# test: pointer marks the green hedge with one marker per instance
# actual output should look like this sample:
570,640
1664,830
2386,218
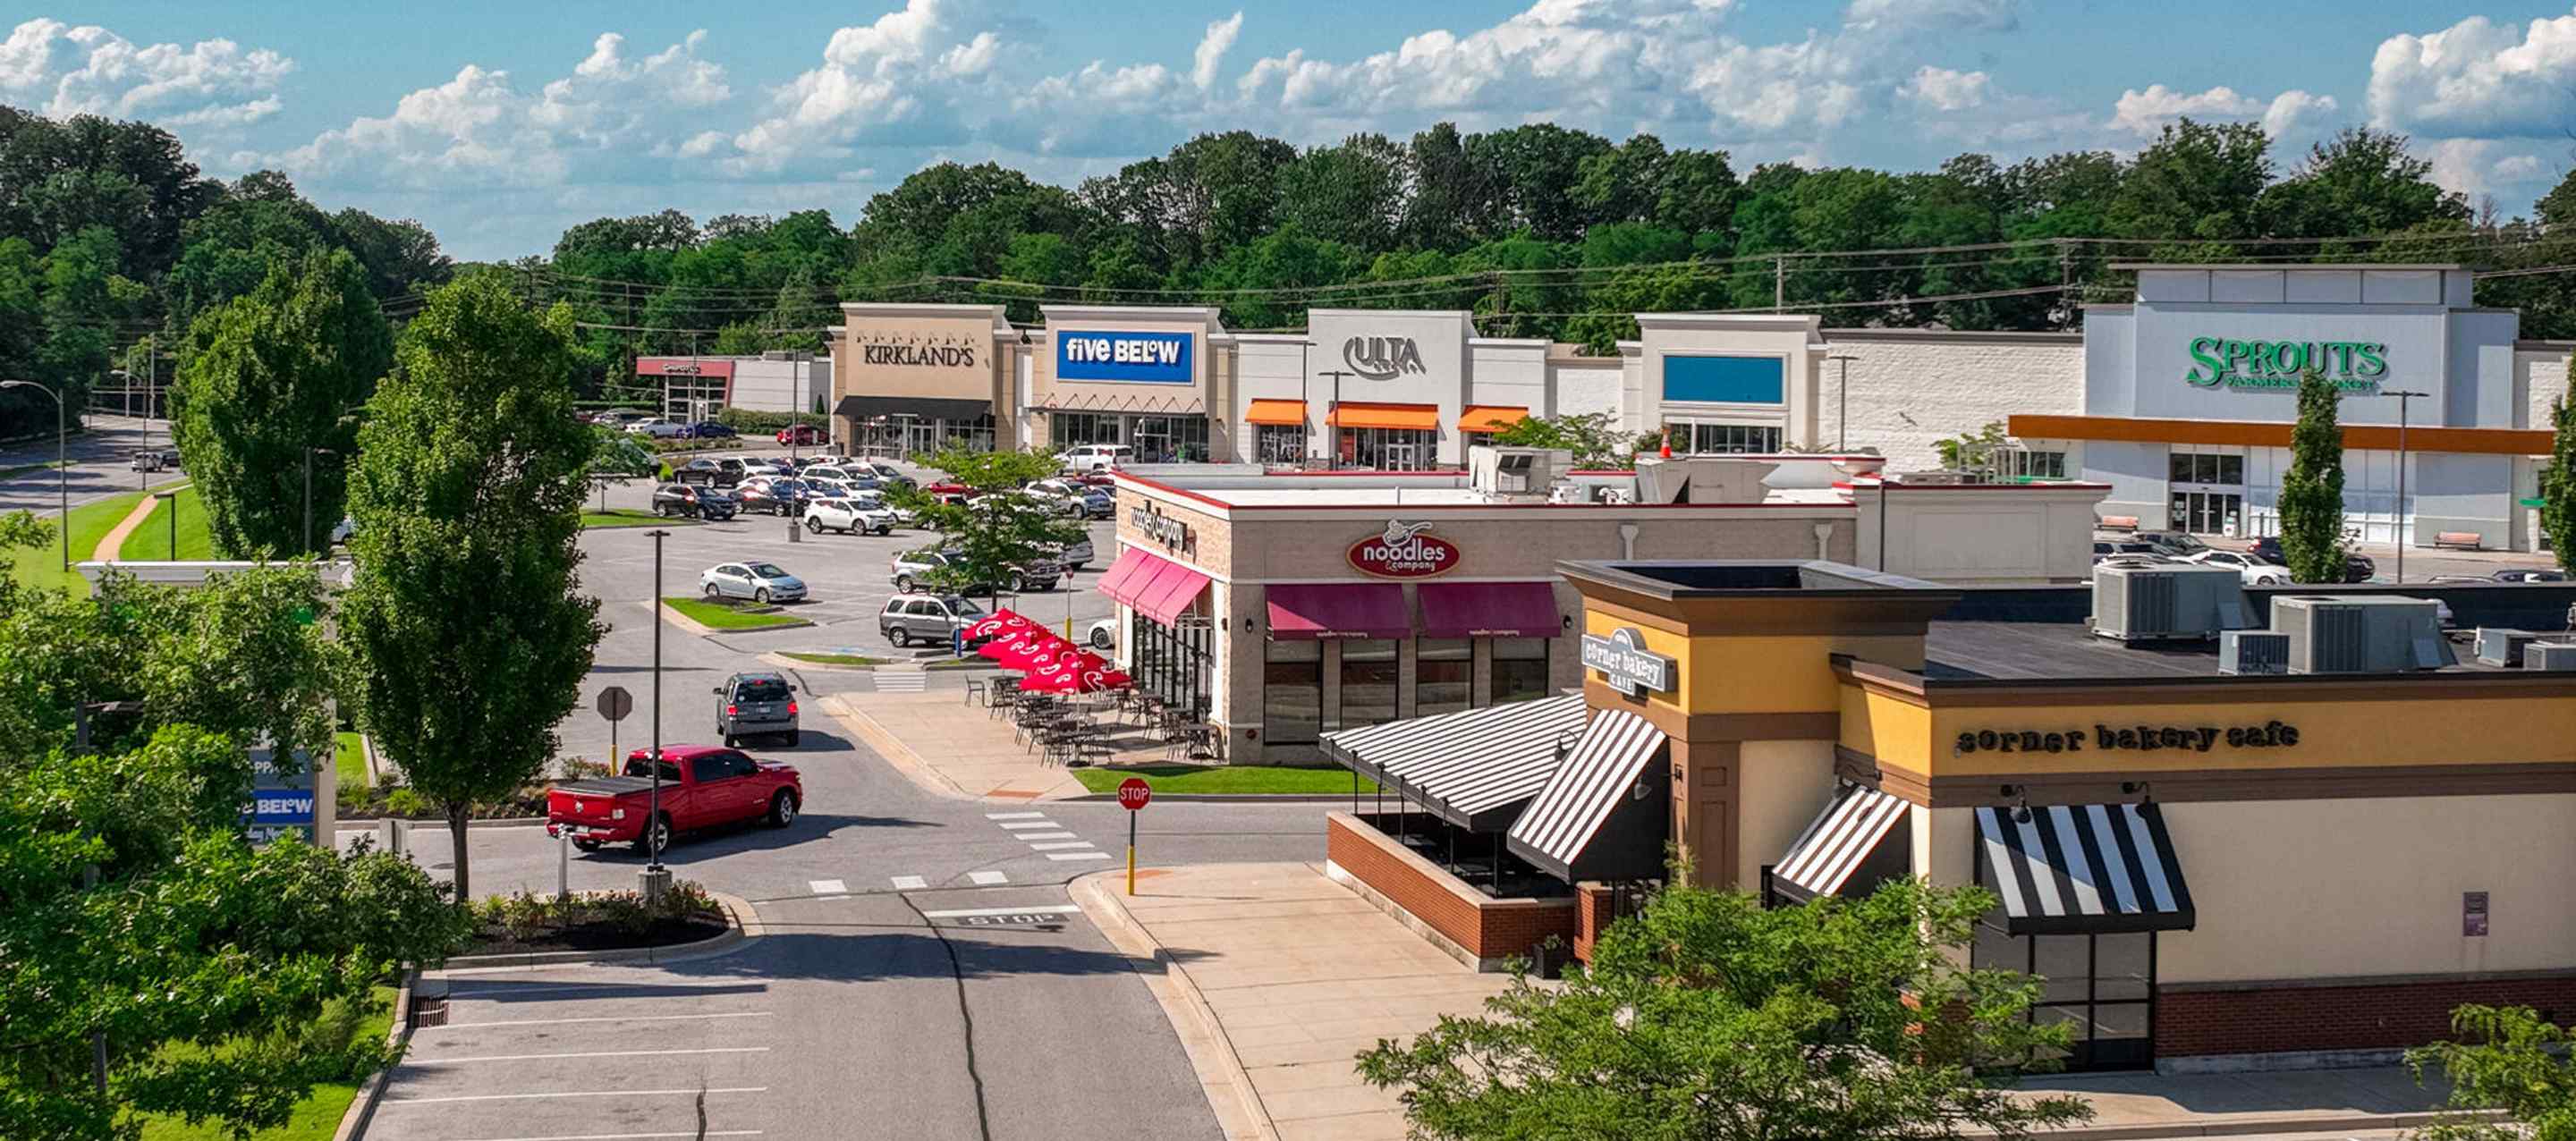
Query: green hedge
766,423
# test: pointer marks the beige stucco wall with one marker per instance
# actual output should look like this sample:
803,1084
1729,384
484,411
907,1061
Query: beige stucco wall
1781,786
1983,535
1526,542
989,378
1910,388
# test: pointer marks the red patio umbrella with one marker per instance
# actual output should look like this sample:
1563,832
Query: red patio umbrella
1072,677
1019,649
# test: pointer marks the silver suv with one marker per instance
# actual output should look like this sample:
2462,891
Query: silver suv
932,619
913,567
752,704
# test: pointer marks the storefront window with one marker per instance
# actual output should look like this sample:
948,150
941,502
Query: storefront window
1172,663
1390,449
2201,467
1519,670
1074,429
1722,439
2034,465
1292,692
1444,671
2102,986
1279,443
1169,439
1368,683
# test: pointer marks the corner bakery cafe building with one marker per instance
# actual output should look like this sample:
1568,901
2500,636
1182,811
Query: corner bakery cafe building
2202,869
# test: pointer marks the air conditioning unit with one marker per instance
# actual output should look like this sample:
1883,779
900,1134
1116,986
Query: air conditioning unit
2253,652
2550,657
2361,633
2176,601
2498,646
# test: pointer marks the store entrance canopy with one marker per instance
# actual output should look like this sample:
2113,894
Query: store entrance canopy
1490,417
1856,843
1602,815
1276,412
1156,587
1474,769
917,407
1415,417
1489,610
2083,869
1314,610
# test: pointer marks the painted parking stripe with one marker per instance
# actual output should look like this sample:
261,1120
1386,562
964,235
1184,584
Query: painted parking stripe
601,1018
1019,824
584,1054
1077,855
1036,909
1014,815
629,1136
1060,845
827,887
988,878
570,1093
909,883
514,992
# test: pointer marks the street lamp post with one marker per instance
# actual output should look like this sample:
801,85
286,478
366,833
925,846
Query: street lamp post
1842,399
2403,397
655,878
1333,444
62,463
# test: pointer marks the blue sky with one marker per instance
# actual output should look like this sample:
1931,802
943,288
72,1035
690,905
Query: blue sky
500,124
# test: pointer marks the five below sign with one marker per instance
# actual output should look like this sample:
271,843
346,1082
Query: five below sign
1403,550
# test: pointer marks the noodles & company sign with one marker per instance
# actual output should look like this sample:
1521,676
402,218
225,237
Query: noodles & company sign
1403,550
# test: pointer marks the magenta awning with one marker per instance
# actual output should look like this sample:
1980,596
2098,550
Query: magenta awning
1489,610
1131,570
1169,594
1306,611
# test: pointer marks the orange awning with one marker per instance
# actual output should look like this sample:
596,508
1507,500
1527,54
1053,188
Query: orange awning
1418,417
1276,412
1490,417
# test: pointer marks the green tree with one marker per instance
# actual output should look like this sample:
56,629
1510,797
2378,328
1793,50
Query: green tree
2312,490
1593,437
2558,484
2508,1060
1707,1016
466,618
1972,451
263,378
2363,181
2197,180
999,529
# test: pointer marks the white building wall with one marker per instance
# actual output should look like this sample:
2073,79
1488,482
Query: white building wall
1510,372
1269,367
1582,389
1910,389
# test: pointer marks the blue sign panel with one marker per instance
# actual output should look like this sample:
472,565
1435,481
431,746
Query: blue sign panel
1148,358
1724,380
281,806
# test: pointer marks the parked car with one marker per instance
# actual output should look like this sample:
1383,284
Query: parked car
620,417
884,471
2356,568
711,430
1096,457
915,567
703,786
2531,576
2180,544
800,434
934,619
1073,556
714,472
1102,634
684,500
2121,548
849,515
1098,503
1057,496
148,461
903,517
659,429
759,582
754,704
2253,570
776,495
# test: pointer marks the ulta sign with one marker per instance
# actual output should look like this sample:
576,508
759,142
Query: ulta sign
2353,366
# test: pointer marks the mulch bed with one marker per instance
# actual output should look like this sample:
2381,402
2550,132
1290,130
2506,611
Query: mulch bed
597,937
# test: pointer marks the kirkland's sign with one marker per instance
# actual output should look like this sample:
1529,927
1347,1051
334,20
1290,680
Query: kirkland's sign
2353,366
1151,358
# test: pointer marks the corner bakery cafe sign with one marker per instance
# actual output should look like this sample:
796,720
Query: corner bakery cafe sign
1626,663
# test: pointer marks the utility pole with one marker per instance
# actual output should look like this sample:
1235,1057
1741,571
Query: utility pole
1779,282
2404,397
656,879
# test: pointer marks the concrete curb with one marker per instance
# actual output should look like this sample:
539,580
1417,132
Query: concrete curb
885,744
1221,1074
370,823
2250,1126
703,630
742,925
780,659
362,1108
1226,797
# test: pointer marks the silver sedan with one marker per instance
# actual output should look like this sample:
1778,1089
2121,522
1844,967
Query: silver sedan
759,582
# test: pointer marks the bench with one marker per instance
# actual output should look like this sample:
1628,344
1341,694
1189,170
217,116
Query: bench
2119,522
2459,540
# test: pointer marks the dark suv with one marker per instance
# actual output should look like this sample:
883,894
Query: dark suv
2356,568
709,471
694,502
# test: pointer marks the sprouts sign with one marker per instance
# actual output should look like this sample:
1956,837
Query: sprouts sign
2217,362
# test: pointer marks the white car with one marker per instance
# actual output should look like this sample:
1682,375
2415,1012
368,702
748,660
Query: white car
1097,457
1101,635
2252,569
659,428
1060,496
759,582
850,515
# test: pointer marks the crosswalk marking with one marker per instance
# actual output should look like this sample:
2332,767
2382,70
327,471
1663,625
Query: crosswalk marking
1043,835
902,681
988,878
1014,815
1077,855
1015,825
1061,844
827,887
910,883
1033,909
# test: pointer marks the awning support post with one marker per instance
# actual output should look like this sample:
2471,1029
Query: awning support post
1498,863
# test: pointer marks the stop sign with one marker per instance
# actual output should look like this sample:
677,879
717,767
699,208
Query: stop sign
1133,792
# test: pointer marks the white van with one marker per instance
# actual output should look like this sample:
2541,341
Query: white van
1097,457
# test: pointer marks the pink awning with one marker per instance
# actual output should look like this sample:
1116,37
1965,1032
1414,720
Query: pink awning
1490,610
1123,577
1308,611
1169,595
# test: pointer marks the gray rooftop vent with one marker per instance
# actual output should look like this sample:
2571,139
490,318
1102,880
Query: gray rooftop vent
2252,652
2332,634
2550,657
2175,601
2501,647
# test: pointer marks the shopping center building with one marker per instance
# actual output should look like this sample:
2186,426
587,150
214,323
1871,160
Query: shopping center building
2207,868
695,388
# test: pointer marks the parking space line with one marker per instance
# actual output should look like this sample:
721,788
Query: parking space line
569,1093
1077,855
827,887
1060,845
988,878
1035,909
1043,835
630,1136
584,1054
603,1018
909,883
1014,815
515,992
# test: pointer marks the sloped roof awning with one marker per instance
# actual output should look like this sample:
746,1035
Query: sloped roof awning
1856,843
1316,610
1602,815
1133,569
917,407
1474,768
1489,610
1276,412
1490,417
1415,417
2083,869
1172,591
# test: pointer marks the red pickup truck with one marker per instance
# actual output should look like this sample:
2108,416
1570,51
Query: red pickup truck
702,786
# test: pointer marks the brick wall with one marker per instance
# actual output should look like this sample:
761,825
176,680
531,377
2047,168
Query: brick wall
1591,917
1488,929
2363,1017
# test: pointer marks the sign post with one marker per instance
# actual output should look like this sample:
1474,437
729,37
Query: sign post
1133,793
614,704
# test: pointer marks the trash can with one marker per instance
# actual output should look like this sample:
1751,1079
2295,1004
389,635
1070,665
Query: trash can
795,534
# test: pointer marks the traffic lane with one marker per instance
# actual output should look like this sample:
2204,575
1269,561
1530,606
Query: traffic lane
100,467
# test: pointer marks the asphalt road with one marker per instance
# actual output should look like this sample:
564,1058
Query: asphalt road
861,1022
100,465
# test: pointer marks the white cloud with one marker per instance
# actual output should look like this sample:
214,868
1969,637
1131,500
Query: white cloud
1212,49
2515,168
2152,110
2473,166
88,70
1943,15
2477,78
2295,114
1942,89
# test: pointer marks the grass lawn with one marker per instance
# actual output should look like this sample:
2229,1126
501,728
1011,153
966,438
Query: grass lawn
42,566
316,1118
834,659
1231,780
628,517
961,664
351,762
150,541
732,614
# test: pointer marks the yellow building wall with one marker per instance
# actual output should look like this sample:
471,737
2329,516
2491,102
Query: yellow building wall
1781,786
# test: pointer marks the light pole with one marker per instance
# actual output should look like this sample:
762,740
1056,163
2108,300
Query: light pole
1842,399
2403,396
1305,419
62,465
1333,446
655,878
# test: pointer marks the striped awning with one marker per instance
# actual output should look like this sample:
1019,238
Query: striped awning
1474,768
1841,840
1563,832
2074,869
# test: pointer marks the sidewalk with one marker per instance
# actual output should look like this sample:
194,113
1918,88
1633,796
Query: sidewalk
953,748
1275,977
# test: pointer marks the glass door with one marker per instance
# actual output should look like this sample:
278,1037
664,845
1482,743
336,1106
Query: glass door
2101,987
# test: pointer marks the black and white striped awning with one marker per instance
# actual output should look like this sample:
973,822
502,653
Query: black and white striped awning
1854,843
1474,768
2074,869
1563,831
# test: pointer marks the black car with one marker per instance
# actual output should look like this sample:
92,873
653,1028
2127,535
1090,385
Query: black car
2356,568
694,502
712,472
774,494
710,430
2531,576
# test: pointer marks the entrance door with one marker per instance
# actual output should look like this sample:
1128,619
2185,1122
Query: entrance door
2101,987
921,437
2209,512
1402,457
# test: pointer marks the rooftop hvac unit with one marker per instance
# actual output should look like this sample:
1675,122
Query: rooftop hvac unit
2242,652
2501,647
1512,473
2167,600
2550,657
2332,634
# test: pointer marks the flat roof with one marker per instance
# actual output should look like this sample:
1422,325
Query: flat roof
2295,267
2070,651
